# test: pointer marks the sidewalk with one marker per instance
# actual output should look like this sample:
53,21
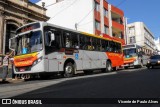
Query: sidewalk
9,77
11,81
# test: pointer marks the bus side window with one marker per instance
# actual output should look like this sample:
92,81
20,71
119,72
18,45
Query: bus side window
81,40
98,45
67,42
94,42
67,39
75,43
118,47
52,44
115,47
103,45
88,43
109,46
56,42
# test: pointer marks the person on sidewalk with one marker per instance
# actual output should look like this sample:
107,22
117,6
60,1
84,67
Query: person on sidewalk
12,62
5,64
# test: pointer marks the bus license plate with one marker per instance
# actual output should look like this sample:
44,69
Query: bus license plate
22,70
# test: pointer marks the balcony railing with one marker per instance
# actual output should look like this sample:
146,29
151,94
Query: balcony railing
117,10
117,25
97,15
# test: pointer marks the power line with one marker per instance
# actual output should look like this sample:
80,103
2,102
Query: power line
121,3
50,5
95,7
85,23
86,15
63,9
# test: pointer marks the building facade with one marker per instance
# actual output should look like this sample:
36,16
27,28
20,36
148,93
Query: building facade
157,43
138,33
15,13
92,16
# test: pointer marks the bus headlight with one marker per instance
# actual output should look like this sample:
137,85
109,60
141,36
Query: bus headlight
159,62
148,62
37,61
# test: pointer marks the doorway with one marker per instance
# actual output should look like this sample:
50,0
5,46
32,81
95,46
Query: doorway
10,32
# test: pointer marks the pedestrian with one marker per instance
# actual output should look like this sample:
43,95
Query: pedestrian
12,68
1,69
5,64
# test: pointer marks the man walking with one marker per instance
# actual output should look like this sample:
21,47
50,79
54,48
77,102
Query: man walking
5,64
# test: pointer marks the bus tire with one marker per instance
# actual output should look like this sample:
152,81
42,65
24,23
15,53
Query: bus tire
108,67
115,68
68,70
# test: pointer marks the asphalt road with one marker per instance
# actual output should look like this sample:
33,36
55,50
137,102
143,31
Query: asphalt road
133,83
143,83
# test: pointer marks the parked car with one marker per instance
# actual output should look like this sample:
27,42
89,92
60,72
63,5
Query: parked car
153,61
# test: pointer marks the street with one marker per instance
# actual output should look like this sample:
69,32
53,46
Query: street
130,83
142,83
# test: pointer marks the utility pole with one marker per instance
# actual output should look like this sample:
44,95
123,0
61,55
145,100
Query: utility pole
76,25
126,30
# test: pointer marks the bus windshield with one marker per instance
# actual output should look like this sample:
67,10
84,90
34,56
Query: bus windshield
29,42
130,52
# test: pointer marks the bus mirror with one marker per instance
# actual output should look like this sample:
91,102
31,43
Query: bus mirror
52,37
12,44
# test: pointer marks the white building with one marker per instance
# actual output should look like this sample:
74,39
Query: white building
92,16
157,44
138,33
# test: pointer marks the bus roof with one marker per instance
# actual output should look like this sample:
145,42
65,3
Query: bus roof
84,33
60,27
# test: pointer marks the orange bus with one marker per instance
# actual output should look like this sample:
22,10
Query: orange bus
134,56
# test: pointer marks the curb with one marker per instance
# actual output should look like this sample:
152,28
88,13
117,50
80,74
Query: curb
10,80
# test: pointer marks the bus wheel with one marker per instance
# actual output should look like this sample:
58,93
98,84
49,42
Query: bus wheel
115,68
108,67
68,70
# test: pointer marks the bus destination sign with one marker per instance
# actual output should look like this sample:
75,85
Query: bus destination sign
28,28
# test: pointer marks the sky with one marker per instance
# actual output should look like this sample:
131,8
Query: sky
147,11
